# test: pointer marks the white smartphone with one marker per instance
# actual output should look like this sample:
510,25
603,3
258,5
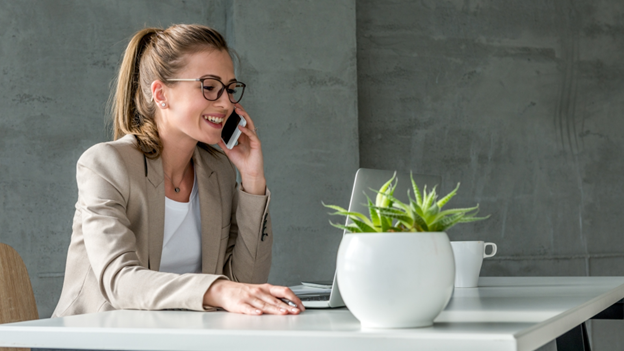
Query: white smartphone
230,131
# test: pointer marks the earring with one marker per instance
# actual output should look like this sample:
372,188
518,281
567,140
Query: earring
163,104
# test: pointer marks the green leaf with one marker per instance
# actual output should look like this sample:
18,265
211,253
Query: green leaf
456,210
421,223
448,222
349,228
380,200
392,187
386,223
334,207
448,197
393,212
351,215
386,216
416,208
372,212
431,212
390,192
397,202
428,198
446,213
416,191
473,219
389,210
407,220
363,226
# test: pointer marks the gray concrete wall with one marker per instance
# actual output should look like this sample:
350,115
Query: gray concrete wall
521,102
57,59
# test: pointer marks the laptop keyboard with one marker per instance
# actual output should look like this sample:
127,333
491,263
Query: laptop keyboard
314,298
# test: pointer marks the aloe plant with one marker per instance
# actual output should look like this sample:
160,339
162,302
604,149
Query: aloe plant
422,214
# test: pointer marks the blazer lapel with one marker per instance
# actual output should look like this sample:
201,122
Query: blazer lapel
155,210
210,209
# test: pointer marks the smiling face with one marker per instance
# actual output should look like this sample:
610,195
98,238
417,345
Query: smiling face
188,116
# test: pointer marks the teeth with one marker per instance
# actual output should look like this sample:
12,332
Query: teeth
214,119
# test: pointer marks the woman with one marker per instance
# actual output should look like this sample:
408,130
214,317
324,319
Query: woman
160,221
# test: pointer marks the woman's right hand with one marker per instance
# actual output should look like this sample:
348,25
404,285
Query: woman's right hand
254,299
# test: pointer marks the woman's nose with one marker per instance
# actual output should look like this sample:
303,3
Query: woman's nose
224,100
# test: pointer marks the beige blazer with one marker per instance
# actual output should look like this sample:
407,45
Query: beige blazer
116,244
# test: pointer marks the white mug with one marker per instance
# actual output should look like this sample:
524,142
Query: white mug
469,256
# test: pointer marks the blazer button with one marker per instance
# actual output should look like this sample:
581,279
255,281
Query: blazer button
264,228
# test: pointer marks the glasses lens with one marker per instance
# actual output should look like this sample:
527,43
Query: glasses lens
212,88
235,91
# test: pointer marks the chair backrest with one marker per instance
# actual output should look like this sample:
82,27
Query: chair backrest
17,300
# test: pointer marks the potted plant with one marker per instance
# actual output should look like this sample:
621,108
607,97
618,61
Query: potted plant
395,266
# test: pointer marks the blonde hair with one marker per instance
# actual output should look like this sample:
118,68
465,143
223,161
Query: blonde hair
154,54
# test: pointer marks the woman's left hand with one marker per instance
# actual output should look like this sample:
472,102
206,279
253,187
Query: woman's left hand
247,156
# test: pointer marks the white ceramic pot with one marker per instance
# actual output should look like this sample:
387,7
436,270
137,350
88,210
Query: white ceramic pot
396,280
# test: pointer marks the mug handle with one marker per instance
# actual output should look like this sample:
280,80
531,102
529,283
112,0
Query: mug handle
493,250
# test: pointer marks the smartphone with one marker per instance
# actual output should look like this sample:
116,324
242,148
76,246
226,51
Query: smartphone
230,131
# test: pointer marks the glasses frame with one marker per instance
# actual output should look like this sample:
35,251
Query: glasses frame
224,87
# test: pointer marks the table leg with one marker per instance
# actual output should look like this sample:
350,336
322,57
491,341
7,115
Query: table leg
574,340
615,311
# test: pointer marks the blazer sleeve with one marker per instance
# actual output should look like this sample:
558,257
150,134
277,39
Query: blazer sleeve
249,250
104,187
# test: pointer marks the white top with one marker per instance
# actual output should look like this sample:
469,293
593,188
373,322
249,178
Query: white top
182,236
502,314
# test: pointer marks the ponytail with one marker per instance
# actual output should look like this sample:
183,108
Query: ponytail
154,54
127,119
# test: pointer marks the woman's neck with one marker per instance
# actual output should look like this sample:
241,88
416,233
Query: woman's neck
178,169
175,162
176,156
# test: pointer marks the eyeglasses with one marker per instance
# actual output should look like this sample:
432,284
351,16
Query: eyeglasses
213,88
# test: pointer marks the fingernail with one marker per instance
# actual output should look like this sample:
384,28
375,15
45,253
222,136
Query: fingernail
258,311
294,310
282,310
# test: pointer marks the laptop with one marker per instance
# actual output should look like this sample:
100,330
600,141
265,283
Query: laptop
327,294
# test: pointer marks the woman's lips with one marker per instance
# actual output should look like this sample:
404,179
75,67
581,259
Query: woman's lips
215,120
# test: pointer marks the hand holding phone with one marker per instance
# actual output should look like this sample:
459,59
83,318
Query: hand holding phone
230,132
247,156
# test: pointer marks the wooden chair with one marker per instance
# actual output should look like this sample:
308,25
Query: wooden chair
17,300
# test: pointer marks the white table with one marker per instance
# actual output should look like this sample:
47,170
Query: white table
519,313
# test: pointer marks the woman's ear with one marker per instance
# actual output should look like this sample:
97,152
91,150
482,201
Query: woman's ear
158,94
